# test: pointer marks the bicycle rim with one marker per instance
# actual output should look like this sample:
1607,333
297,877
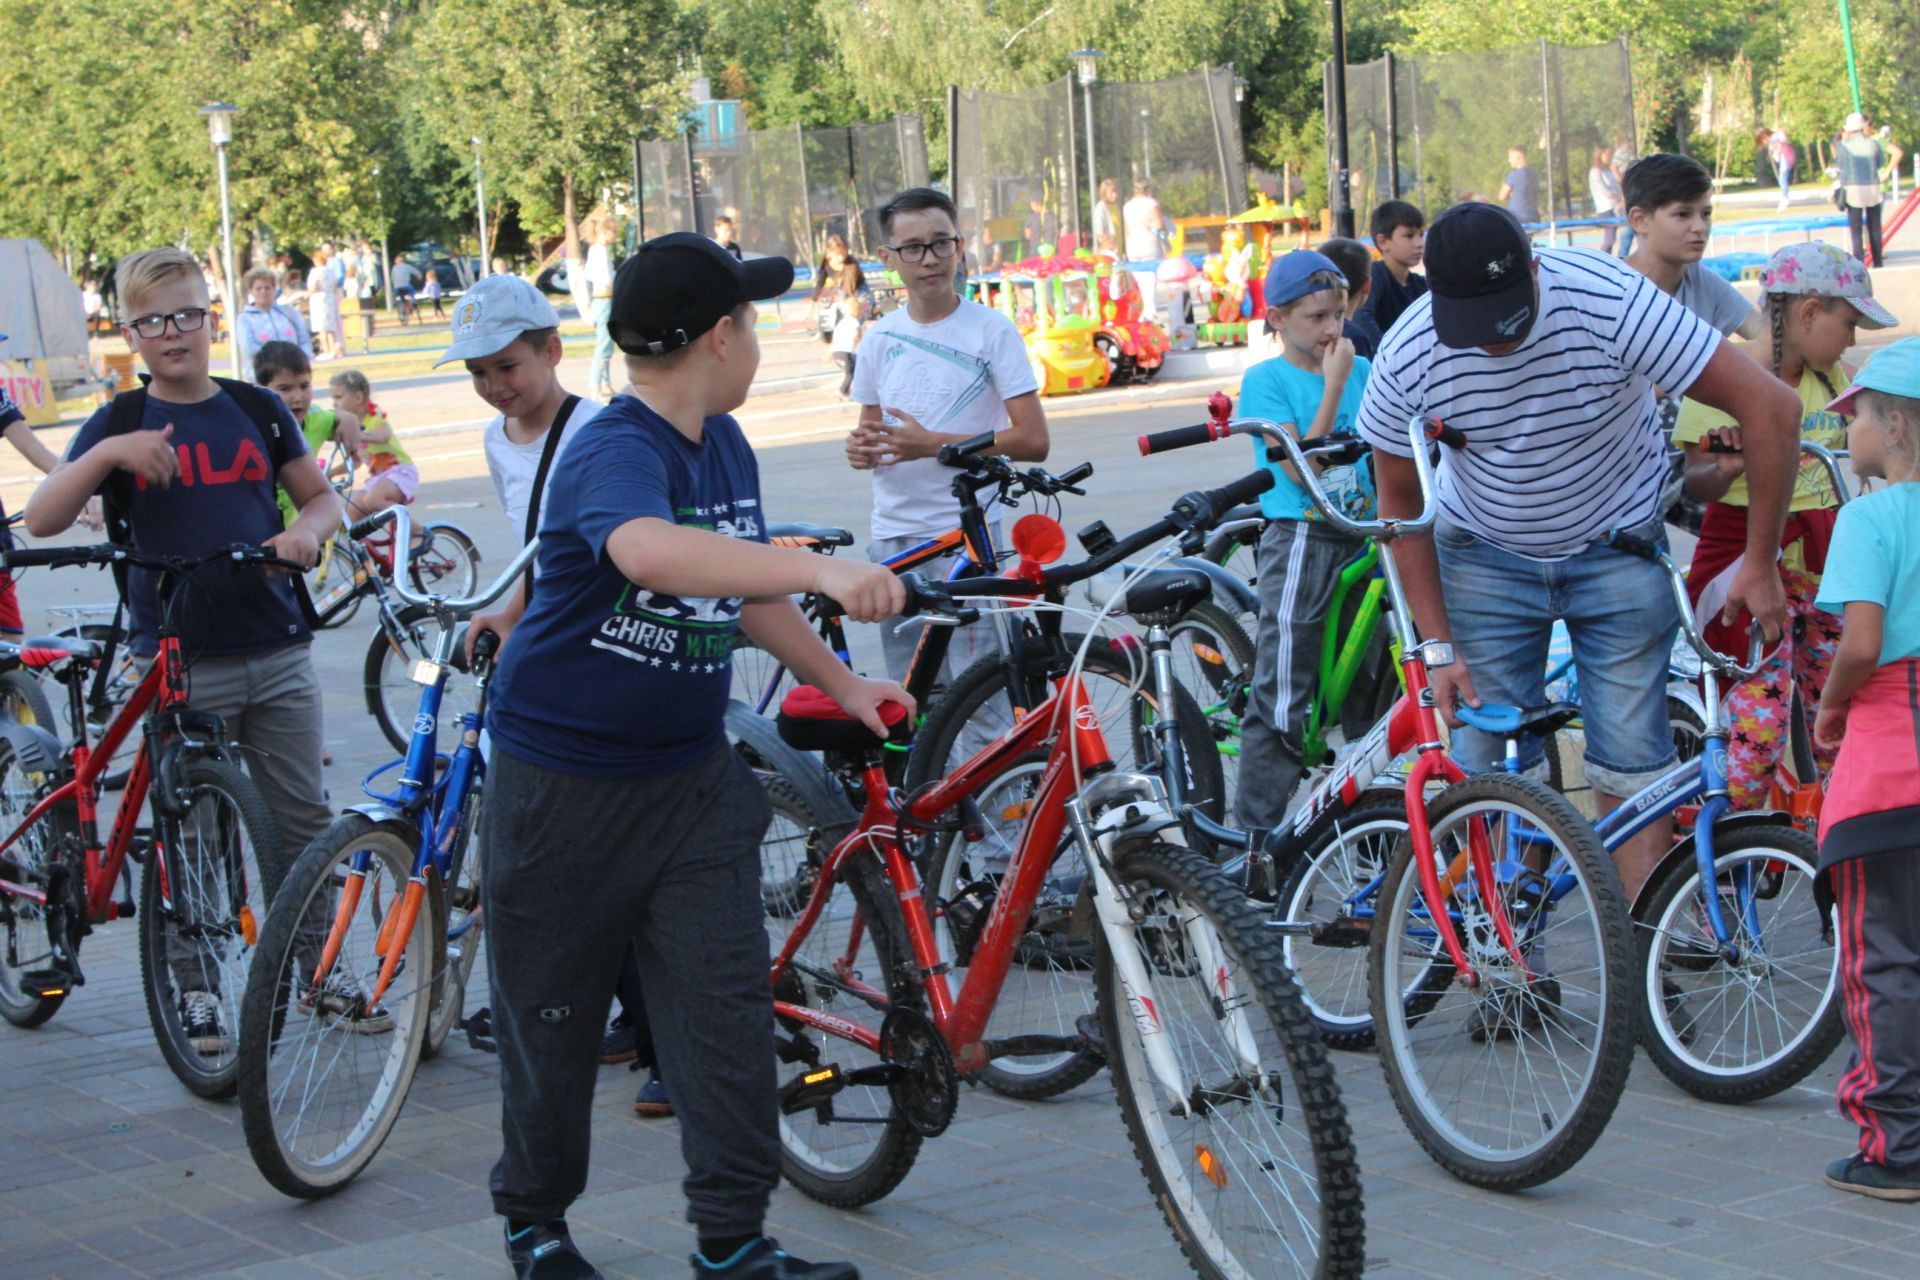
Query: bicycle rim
758,678
392,695
27,862
1258,1179
466,927
449,565
1213,660
334,585
1335,888
1508,1084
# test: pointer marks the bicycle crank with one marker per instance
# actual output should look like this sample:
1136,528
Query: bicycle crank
927,1088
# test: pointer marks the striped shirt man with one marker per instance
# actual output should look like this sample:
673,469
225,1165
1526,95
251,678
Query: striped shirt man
1565,441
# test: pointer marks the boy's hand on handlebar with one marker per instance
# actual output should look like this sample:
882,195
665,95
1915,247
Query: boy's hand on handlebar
1729,464
862,698
1452,687
297,545
149,455
499,622
868,592
1757,589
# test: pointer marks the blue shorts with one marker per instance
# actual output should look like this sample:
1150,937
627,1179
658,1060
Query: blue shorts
1621,617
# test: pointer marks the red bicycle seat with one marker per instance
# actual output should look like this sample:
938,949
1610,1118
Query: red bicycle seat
809,720
42,652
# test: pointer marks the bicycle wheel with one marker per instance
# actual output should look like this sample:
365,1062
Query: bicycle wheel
857,1147
323,1074
24,942
1049,990
197,936
449,564
121,682
392,696
334,585
759,680
1213,660
1507,1085
789,852
1745,1030
1253,1166
453,963
1238,555
23,702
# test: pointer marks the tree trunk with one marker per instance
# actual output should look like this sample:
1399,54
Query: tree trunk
572,217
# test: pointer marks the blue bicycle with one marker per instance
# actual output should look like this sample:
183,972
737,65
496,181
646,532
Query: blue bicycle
362,968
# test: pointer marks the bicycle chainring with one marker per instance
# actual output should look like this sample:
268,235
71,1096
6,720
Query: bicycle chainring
928,1090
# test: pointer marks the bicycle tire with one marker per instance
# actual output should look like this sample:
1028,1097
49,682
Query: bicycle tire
1170,889
454,959
873,1173
758,677
235,849
449,565
336,593
393,699
24,702
1684,725
789,856
1216,667
1677,949
121,683
275,1032
28,861
1590,986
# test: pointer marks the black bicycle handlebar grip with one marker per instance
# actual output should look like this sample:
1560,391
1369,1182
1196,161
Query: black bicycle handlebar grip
54,557
1179,438
1075,476
1633,546
1717,445
1436,430
365,528
1243,490
952,455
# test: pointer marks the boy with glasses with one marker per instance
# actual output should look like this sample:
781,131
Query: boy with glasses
937,371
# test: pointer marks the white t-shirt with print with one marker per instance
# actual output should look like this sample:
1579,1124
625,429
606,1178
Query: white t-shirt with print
953,376
513,466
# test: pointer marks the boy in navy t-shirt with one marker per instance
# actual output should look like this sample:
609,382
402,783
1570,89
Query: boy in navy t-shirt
616,811
203,480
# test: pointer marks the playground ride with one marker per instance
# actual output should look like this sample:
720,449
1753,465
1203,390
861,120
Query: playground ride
1049,300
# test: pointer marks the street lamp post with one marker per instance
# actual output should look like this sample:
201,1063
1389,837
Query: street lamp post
1342,185
220,128
1087,63
480,194
386,257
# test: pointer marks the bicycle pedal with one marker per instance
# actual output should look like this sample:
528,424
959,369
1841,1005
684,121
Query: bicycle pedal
45,984
1346,933
464,896
812,1090
124,910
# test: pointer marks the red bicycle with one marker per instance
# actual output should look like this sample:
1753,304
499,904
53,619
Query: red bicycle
204,887
1223,1086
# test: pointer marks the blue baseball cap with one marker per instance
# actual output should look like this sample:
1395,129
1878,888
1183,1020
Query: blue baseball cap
1290,278
1893,369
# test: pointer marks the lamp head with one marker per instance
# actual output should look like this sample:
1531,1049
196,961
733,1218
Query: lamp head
220,121
1087,62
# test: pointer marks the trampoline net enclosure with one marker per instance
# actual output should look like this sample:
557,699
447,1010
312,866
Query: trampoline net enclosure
1454,115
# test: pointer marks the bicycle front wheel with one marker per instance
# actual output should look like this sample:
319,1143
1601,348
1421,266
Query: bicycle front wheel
466,923
392,696
325,1069
1509,1084
25,943
198,931
449,564
1745,1029
1213,660
334,585
1252,1165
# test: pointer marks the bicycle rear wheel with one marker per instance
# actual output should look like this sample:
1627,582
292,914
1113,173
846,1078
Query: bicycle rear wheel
197,936
453,963
393,698
1508,1085
23,702
25,944
334,585
1254,1167
323,1074
1745,1030
121,682
1213,661
449,564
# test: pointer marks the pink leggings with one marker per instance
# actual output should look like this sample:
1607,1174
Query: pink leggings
1760,712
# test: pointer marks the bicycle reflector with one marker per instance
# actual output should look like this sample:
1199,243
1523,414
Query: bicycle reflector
1210,1165
1039,539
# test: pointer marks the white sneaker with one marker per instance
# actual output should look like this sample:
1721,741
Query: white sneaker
200,1015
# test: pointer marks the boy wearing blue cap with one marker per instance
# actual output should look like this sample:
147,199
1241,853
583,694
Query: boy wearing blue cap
1312,388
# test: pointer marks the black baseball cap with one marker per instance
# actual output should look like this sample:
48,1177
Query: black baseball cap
678,286
1480,271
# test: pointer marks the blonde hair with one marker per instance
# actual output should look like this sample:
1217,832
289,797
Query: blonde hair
351,380
256,275
142,272
1885,404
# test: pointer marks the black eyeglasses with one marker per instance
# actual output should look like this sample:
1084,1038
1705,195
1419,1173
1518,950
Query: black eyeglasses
156,326
913,251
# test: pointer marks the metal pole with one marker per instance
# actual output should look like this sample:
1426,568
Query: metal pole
1229,195
1342,190
1093,183
1846,38
233,287
1393,132
807,246
693,198
1419,154
639,197
1146,145
480,194
1080,229
1546,113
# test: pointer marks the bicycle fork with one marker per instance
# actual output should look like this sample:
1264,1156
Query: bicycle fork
1120,806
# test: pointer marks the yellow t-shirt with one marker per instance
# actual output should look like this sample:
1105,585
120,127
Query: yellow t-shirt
1811,488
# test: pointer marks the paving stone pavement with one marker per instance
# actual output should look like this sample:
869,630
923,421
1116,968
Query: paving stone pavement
109,1169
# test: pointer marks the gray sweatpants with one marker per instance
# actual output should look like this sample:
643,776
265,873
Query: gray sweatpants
1874,897
271,705
969,644
1299,563
575,869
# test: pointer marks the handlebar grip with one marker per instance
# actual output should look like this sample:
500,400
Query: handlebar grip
1241,491
952,455
365,528
1452,437
485,646
1079,473
1633,546
1720,446
1181,437
56,557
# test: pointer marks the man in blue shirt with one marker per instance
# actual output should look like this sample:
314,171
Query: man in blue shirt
1521,188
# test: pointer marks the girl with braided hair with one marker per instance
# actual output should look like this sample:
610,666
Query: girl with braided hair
1816,297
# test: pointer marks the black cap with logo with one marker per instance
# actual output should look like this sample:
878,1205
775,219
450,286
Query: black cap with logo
678,286
1480,270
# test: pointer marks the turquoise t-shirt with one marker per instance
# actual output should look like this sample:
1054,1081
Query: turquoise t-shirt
1875,557
1281,392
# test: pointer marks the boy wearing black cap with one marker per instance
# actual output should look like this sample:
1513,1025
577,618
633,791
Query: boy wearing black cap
616,809
1548,362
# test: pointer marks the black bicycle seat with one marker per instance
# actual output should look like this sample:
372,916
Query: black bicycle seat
1511,722
801,535
1168,589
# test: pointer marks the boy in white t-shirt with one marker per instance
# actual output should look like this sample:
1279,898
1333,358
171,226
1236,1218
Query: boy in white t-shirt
935,372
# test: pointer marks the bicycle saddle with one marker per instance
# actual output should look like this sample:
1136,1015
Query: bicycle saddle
1511,722
1174,589
50,651
800,535
809,720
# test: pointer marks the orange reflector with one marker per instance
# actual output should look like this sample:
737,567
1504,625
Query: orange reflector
1210,1165
248,929
1017,812
818,1077
1208,654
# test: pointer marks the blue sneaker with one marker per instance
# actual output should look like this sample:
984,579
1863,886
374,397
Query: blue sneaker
653,1099
764,1259
544,1251
620,1044
1881,1181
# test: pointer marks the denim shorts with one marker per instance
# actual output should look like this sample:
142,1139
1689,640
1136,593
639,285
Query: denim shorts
1621,618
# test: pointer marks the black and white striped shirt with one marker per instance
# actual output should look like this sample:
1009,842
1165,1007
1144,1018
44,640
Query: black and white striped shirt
1564,440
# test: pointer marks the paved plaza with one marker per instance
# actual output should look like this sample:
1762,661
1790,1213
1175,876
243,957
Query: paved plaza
109,1168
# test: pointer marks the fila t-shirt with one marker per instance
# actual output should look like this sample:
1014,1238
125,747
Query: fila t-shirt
224,494
1564,442
608,678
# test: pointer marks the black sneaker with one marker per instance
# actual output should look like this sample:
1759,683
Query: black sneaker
544,1251
200,1016
1881,1181
1505,1012
620,1043
764,1259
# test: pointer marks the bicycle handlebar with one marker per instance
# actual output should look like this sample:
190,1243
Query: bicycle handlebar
107,553
402,524
1827,458
1689,622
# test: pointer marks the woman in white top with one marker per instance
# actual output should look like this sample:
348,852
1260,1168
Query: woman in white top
264,320
323,303
599,273
1603,184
